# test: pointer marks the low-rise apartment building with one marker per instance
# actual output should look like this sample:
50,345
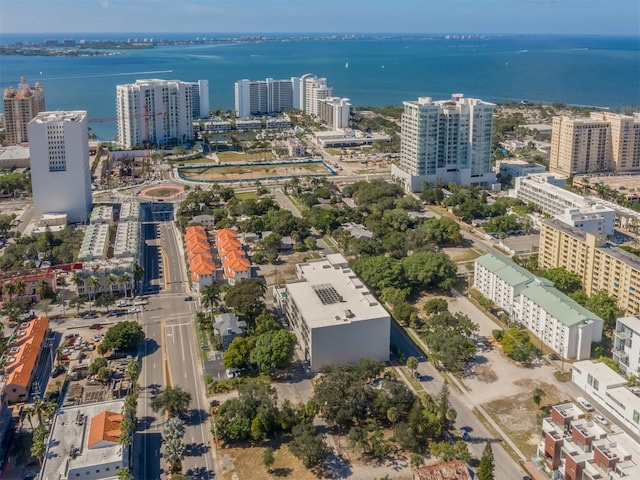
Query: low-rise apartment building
202,269
557,320
601,265
572,447
548,192
626,345
235,264
26,285
334,316
21,357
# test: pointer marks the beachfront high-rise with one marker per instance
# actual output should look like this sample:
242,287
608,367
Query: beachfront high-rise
264,97
200,98
602,141
20,106
155,111
445,140
60,174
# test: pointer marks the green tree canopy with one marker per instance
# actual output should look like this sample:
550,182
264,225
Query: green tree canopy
427,270
380,272
124,336
246,297
448,336
564,280
308,446
273,349
173,401
238,351
606,307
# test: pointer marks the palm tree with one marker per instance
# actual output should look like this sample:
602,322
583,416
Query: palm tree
174,453
45,307
111,280
124,279
538,393
77,280
392,415
49,410
21,288
43,288
77,302
210,296
174,428
37,409
9,289
39,445
93,283
171,402
125,473
138,273
412,364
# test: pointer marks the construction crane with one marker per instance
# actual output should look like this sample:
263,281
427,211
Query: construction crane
146,115
147,144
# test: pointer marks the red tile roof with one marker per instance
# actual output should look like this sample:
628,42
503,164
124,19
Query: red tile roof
105,427
20,363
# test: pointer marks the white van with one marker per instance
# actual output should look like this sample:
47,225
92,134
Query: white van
586,405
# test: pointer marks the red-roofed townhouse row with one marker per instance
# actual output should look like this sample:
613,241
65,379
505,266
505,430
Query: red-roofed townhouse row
202,269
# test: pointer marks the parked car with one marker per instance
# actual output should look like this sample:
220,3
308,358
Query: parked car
134,310
59,370
90,315
601,419
96,326
466,437
188,299
115,313
553,357
124,304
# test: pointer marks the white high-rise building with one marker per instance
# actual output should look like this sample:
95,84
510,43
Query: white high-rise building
60,173
448,140
312,89
335,111
157,111
200,98
263,97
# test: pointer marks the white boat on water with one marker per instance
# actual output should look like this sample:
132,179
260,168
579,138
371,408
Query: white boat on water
346,65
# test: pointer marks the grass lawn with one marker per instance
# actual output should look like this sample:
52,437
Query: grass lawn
162,192
251,172
232,157
246,195
247,463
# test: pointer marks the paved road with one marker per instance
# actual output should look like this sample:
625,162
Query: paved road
432,382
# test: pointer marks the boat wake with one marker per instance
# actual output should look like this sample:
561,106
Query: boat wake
101,75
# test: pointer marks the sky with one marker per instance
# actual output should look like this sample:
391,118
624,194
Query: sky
600,17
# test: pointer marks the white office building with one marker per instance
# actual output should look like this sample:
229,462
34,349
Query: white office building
60,173
626,345
558,321
156,111
445,140
84,443
518,168
200,99
610,391
547,191
335,112
334,316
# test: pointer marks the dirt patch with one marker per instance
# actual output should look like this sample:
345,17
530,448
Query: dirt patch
253,172
246,463
485,373
518,414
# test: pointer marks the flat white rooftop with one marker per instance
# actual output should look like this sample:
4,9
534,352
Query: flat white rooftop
60,116
328,292
67,446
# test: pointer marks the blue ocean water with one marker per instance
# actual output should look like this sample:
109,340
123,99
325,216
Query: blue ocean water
587,70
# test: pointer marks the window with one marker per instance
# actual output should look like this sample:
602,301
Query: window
636,416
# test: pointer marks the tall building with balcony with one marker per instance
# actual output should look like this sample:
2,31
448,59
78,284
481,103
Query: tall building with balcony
445,140
311,90
602,141
200,99
335,112
600,265
60,173
264,97
626,345
20,106
159,112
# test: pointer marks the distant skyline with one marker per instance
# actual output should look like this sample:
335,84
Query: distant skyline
600,17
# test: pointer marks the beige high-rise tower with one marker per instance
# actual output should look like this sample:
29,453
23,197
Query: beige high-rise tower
20,106
603,141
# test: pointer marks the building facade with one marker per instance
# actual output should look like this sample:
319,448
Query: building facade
602,141
333,315
446,140
200,99
59,144
20,106
558,321
155,111
548,192
626,345
600,265
335,112
572,447
610,391
202,269
263,97
512,168
311,90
